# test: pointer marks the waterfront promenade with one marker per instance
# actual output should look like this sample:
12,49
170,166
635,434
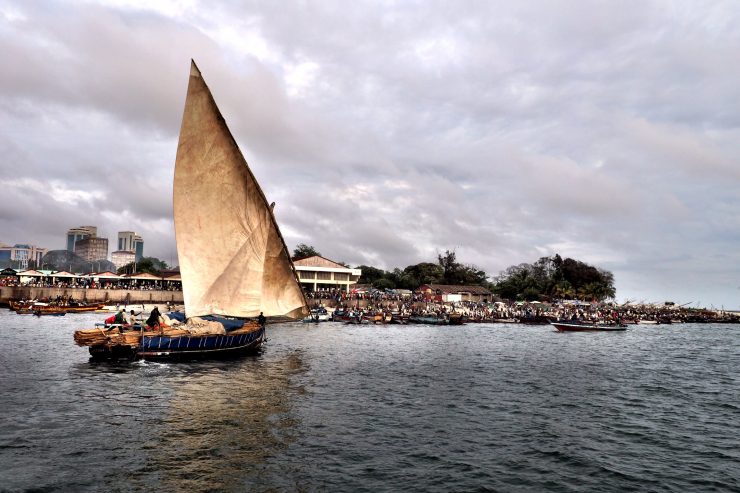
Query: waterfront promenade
108,296
474,312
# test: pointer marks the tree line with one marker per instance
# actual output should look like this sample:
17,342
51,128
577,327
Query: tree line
547,278
555,278
447,270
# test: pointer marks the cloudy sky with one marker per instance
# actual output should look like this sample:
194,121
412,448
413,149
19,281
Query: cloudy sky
388,132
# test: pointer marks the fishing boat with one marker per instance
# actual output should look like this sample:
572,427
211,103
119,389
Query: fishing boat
234,263
453,318
38,308
69,307
317,315
82,307
428,320
574,326
52,310
16,305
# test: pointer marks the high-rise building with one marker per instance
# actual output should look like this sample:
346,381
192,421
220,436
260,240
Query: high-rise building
129,241
92,248
138,247
21,256
76,234
126,241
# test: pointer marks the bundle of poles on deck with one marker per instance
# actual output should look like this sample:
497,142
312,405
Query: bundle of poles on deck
131,335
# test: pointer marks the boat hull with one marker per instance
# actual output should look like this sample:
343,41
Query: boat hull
566,327
451,319
185,347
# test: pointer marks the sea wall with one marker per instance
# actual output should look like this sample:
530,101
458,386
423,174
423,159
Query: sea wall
109,296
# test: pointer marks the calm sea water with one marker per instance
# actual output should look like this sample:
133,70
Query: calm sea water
377,408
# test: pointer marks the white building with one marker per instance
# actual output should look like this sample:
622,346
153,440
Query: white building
122,257
18,256
129,241
318,273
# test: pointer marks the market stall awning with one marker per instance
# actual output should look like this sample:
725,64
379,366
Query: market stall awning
146,276
105,275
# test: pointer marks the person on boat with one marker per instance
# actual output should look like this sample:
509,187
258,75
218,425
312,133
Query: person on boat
261,319
119,319
155,319
132,320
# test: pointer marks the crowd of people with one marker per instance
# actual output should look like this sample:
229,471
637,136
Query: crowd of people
90,283
341,296
534,313
132,320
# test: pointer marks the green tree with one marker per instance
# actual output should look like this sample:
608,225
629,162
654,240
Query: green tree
563,290
370,274
383,284
151,265
304,251
456,273
423,273
449,265
512,283
555,277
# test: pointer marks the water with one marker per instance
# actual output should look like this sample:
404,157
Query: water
331,407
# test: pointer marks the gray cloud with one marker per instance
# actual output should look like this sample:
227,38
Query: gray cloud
606,132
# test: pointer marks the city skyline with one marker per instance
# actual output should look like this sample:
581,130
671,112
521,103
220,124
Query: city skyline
128,248
386,135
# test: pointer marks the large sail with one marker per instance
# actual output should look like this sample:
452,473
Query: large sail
233,259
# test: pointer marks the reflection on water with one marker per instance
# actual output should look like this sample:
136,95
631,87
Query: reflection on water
222,424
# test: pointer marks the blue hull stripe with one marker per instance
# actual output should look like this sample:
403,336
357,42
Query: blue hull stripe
195,343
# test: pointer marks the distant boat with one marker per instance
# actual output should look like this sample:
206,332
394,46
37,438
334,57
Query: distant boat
234,262
82,307
318,315
38,308
583,327
54,310
452,319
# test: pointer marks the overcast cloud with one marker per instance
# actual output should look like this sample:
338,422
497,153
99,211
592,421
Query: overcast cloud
390,131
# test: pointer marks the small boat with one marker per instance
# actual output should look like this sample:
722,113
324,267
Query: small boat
574,326
49,310
351,316
16,305
39,308
428,320
442,319
318,315
82,307
534,320
340,315
232,285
